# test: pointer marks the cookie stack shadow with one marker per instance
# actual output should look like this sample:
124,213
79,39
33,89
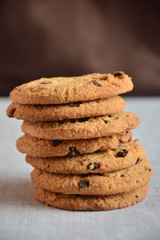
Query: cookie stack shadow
78,138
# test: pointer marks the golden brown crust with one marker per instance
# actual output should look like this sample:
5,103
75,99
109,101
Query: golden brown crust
36,147
101,162
89,128
90,203
43,113
72,89
105,184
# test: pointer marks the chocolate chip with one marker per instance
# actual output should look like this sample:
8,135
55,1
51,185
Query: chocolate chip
76,104
83,184
106,121
73,152
93,166
136,196
56,142
149,169
110,115
45,82
96,83
122,153
73,120
83,119
138,160
119,74
61,121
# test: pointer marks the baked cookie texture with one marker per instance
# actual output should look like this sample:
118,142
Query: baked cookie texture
36,147
72,89
52,112
123,157
78,138
95,184
82,128
90,203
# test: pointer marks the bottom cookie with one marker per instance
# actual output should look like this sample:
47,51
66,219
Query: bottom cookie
90,203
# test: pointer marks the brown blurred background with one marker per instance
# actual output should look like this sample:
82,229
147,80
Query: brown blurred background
58,37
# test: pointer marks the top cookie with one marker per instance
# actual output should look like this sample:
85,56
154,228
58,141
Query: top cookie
59,90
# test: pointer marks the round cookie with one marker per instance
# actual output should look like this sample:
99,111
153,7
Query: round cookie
43,113
36,147
82,128
90,203
59,90
101,184
101,162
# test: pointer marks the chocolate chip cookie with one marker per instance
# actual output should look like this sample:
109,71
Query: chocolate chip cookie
90,203
37,113
60,90
36,147
123,157
83,128
95,184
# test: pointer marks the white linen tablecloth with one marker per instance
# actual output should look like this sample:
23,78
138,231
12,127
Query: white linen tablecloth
22,218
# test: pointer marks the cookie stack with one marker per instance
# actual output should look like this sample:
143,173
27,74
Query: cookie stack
78,138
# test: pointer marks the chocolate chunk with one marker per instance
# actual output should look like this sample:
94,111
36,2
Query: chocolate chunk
83,184
138,160
119,74
106,121
73,152
45,82
122,153
56,142
96,83
93,166
83,119
73,120
75,104
61,121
